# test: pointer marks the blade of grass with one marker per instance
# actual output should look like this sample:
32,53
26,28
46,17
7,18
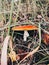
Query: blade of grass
19,4
10,20
42,60
39,34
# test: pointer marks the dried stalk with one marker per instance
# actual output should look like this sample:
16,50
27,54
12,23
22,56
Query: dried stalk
4,51
31,53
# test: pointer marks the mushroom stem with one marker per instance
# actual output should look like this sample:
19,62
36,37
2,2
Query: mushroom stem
26,34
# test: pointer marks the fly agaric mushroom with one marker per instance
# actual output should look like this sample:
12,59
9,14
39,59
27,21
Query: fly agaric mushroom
25,28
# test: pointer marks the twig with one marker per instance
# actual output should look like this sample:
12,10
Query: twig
45,31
